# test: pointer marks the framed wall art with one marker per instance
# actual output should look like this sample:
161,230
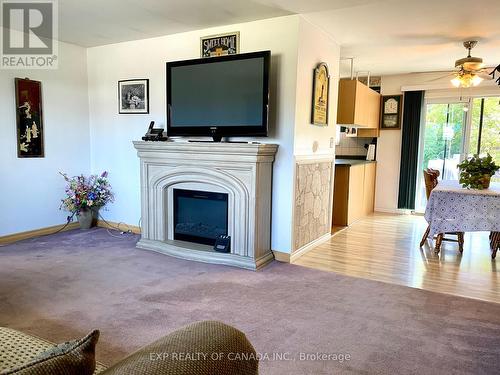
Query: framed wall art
321,86
390,112
220,45
133,96
29,110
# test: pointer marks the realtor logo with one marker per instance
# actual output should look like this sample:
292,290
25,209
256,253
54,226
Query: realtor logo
29,34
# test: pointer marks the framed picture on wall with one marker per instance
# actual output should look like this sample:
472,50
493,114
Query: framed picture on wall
220,44
321,85
29,118
390,113
133,96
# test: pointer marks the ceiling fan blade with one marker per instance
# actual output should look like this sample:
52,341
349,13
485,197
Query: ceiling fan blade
441,77
484,75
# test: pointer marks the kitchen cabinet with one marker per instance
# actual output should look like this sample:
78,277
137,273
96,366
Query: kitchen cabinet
369,188
358,106
354,191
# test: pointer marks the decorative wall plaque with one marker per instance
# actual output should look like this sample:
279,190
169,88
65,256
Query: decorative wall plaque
321,85
220,44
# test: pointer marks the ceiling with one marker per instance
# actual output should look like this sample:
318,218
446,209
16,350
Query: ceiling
384,36
401,36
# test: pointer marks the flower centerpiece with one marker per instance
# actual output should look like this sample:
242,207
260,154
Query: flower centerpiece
476,172
85,196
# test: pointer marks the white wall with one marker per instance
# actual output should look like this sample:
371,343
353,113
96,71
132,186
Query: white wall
81,98
312,142
112,134
388,155
31,188
315,46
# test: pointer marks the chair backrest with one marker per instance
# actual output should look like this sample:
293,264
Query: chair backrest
431,180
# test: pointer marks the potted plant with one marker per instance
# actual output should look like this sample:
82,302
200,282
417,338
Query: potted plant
476,172
85,196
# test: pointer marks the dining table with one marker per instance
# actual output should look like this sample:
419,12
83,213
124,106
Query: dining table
452,208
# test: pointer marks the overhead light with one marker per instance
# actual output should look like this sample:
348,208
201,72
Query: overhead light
466,79
476,80
456,81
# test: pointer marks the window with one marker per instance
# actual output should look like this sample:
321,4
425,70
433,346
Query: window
485,129
452,130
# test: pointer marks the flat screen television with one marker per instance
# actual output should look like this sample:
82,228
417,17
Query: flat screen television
219,96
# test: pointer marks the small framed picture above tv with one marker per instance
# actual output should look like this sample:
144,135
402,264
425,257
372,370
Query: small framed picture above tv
133,96
220,45
227,96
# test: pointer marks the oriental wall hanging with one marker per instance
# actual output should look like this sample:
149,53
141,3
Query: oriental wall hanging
29,118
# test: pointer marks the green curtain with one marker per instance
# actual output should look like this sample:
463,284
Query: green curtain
413,103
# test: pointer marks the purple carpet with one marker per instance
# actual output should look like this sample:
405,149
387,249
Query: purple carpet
60,287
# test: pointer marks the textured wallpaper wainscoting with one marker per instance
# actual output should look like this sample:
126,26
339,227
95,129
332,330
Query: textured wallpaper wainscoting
313,205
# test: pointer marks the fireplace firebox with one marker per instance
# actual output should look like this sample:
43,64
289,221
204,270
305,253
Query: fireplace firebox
200,216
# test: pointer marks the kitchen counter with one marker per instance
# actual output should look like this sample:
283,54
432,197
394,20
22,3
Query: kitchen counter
351,162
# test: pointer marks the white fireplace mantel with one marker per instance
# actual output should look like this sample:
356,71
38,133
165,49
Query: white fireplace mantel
241,170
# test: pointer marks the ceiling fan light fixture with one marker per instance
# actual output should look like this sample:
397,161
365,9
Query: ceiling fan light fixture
456,81
466,79
476,80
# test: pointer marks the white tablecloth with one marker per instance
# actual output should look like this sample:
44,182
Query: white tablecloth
452,208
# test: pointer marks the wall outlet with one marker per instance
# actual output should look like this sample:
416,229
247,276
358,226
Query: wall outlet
332,142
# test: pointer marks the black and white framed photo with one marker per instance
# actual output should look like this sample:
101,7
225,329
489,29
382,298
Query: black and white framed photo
133,96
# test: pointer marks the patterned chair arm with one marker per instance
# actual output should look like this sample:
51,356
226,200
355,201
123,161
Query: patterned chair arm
207,347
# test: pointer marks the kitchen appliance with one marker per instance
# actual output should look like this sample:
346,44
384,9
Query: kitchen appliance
370,155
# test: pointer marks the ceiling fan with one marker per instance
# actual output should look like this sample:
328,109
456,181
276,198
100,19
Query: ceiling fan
470,70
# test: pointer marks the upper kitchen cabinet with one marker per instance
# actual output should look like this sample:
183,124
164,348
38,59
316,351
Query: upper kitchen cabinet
358,106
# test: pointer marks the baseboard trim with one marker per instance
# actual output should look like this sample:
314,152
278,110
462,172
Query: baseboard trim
281,257
311,245
118,226
9,238
289,258
36,233
390,210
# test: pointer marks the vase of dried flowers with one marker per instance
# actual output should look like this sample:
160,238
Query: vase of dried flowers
87,218
85,196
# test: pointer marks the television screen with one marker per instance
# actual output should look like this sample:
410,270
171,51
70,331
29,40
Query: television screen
229,94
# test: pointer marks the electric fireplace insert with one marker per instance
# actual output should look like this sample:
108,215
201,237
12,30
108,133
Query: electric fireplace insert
199,216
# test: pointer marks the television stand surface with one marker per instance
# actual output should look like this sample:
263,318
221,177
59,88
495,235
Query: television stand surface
203,141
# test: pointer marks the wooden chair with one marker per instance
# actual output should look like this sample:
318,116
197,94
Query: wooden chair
431,181
494,243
